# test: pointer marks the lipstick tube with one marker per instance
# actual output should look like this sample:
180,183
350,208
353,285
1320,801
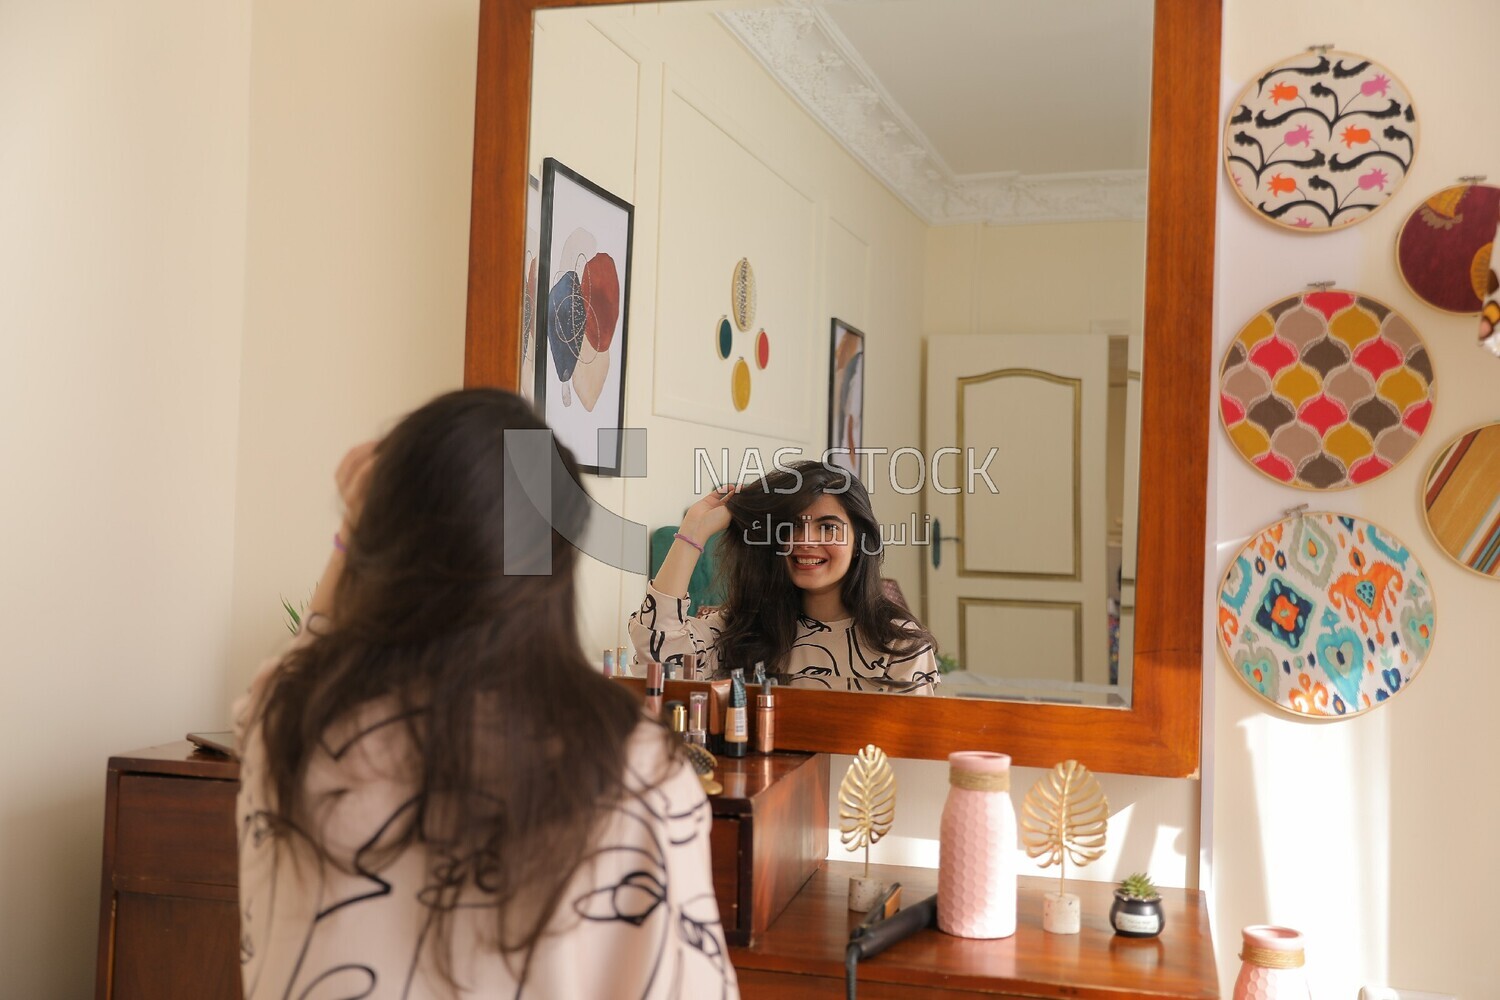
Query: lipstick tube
654,688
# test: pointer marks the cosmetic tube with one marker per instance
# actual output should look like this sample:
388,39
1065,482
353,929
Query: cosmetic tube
698,711
736,717
622,662
718,703
690,667
654,687
765,717
675,712
609,663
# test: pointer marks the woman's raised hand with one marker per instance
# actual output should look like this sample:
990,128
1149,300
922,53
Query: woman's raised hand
353,479
709,515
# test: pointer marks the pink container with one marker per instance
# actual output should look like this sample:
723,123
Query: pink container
977,861
1271,965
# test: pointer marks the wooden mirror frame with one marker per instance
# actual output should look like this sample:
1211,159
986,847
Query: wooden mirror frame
1159,734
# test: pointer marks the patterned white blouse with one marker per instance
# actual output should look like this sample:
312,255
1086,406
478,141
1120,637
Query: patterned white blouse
830,655
639,919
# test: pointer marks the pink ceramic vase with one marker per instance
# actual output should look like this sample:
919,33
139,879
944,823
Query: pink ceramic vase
1271,965
977,861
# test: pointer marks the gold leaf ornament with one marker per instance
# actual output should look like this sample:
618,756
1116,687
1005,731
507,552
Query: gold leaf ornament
1065,816
867,801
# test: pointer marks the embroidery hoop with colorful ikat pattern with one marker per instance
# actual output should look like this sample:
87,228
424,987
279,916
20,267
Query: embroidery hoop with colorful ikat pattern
1331,170
1314,593
1385,417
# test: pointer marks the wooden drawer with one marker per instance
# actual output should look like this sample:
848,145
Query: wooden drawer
174,829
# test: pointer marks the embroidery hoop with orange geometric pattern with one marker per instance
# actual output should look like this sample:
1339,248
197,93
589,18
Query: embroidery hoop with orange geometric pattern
1422,604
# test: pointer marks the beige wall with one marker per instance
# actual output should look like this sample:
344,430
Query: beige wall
222,263
361,136
1374,835
122,190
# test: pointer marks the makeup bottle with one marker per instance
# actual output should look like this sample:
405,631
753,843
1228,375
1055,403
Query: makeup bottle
654,687
676,714
690,667
765,717
736,717
609,663
697,711
622,662
758,676
718,707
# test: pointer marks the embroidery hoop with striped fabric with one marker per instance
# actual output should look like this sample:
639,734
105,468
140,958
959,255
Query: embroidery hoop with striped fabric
1461,500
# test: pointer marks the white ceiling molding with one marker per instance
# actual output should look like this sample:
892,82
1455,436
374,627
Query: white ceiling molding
807,54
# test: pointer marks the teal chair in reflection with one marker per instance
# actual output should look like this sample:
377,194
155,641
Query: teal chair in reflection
702,589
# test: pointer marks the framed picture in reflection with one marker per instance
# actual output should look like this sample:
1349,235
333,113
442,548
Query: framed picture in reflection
846,395
583,300
529,288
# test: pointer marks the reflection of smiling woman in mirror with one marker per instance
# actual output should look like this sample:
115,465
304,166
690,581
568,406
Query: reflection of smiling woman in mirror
439,797
802,573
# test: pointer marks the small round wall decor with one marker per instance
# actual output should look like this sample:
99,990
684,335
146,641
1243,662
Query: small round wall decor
1461,500
1326,390
742,294
1443,249
739,384
723,338
1320,141
1325,615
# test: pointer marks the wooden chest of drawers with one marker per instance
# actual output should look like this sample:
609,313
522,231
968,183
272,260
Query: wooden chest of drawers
168,915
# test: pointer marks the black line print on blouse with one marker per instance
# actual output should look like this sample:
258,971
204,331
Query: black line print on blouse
644,892
455,881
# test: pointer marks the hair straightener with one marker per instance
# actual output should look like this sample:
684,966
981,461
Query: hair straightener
886,924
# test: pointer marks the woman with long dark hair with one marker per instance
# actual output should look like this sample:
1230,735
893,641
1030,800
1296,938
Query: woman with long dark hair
801,568
440,797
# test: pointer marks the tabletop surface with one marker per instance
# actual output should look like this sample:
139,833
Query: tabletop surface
810,937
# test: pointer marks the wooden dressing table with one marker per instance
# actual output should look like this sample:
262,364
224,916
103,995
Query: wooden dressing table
169,922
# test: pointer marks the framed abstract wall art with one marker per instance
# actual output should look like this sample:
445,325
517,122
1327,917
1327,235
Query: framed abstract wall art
1461,501
529,288
1320,141
1325,615
584,275
1443,249
1326,390
846,395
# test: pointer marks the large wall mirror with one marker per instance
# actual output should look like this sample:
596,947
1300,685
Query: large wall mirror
1013,206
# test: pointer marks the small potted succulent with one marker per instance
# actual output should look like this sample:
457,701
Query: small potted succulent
1137,908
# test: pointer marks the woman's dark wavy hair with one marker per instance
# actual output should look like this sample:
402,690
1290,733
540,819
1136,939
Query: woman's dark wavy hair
762,603
519,742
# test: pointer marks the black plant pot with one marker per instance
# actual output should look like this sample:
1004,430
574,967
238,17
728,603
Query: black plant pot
1136,918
